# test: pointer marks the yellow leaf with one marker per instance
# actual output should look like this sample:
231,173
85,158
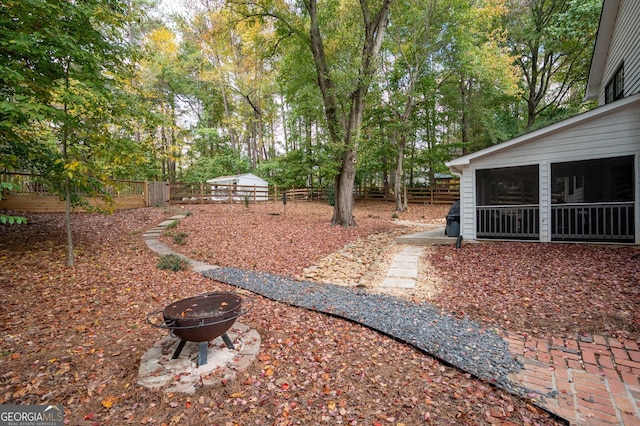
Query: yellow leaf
72,165
108,401
237,395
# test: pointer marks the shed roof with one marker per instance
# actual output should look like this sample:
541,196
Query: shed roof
231,179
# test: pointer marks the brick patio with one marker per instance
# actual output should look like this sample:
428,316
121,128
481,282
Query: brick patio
591,380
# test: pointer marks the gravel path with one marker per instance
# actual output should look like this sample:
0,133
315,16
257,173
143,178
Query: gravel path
457,341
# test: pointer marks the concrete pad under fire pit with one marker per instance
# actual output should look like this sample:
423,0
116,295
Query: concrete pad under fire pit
158,371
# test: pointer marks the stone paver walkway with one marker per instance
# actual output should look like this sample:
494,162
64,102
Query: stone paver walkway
592,380
403,271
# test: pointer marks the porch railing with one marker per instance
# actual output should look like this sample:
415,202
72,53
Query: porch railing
511,222
593,222
606,222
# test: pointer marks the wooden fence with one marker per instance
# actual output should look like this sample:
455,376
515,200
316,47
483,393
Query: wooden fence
414,195
30,193
157,193
205,193
202,193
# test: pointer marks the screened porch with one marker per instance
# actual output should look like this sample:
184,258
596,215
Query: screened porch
590,201
508,204
593,200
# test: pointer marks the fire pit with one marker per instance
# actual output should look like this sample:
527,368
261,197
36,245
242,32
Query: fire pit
202,319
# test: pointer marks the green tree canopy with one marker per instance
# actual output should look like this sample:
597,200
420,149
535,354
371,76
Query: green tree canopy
61,67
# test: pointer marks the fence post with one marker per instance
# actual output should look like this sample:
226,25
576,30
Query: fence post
167,195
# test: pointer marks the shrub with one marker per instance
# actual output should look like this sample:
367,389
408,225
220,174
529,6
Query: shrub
172,262
180,238
331,197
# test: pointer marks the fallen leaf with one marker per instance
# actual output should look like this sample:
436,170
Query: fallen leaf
103,302
108,401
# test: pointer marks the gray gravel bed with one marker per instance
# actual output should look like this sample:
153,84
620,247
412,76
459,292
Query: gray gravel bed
457,341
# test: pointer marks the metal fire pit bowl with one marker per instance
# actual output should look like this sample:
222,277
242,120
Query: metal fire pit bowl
203,318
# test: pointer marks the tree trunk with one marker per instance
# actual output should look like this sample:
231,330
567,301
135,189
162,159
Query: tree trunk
258,141
67,181
344,131
228,122
285,134
67,222
386,187
344,184
465,126
399,184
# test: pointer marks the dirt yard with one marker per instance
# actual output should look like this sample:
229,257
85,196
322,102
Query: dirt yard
74,335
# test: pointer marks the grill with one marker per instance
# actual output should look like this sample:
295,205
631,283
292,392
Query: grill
201,319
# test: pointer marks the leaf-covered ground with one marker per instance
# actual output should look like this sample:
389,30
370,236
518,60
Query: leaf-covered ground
74,335
544,289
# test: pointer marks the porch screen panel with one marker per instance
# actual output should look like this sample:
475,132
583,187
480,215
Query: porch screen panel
593,200
508,203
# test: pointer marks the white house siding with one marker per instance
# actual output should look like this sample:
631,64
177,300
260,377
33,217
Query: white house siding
624,47
545,200
613,134
468,206
637,206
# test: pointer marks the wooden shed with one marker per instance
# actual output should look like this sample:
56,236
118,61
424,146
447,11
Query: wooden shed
241,186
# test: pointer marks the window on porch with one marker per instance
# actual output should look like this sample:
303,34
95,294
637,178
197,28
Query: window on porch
508,203
593,200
